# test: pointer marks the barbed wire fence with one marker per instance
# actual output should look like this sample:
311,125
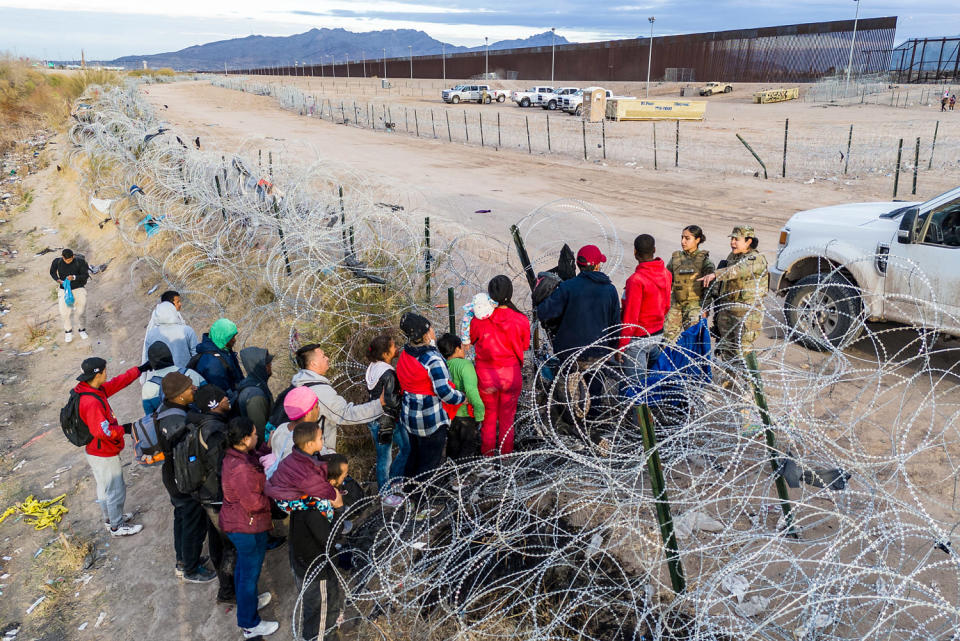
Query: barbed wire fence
812,498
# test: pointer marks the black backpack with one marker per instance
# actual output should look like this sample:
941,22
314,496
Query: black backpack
279,415
72,425
190,468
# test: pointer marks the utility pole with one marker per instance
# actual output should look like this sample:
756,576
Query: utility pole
553,51
443,57
650,54
384,63
486,62
410,47
333,65
363,56
852,40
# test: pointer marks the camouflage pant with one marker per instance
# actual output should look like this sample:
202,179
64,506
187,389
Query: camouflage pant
736,334
680,317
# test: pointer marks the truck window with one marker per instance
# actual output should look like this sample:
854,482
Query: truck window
944,226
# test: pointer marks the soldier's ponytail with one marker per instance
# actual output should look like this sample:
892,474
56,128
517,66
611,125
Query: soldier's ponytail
696,232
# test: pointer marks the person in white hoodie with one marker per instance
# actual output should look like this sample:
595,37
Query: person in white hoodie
167,326
337,410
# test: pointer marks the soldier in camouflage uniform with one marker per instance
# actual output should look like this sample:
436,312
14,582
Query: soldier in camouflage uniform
686,297
738,294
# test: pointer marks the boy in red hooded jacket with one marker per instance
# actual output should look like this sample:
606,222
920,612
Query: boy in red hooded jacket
646,301
103,452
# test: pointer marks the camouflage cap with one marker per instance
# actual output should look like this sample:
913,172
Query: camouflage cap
743,231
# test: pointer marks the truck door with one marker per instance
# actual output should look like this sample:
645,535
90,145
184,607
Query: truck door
922,284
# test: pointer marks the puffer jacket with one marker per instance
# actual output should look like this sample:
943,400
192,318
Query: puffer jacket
646,299
245,508
299,475
254,398
587,308
167,326
219,367
501,339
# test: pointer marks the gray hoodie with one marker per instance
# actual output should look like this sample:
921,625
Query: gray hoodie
337,410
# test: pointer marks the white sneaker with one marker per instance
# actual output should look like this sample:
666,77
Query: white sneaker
126,530
262,630
67,337
83,334
263,600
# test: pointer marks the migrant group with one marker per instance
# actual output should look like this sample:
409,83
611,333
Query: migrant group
235,458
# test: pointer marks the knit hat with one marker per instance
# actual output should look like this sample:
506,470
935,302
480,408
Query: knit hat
298,402
414,326
174,384
208,397
91,367
222,331
590,255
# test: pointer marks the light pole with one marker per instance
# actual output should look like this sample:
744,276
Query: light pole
486,61
650,54
553,51
443,58
333,64
363,56
384,63
346,63
410,47
852,40
321,66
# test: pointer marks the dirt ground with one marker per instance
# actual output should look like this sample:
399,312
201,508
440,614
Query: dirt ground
131,579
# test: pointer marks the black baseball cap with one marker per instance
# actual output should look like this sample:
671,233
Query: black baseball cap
91,367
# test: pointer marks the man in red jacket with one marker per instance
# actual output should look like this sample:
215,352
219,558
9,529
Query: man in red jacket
646,300
103,452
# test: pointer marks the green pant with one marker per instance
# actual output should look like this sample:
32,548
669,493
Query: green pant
680,317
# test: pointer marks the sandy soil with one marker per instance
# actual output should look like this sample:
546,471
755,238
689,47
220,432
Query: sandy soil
132,581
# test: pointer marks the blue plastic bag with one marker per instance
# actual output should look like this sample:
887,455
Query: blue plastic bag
679,364
68,297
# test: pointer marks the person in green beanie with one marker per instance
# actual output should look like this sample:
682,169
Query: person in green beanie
216,361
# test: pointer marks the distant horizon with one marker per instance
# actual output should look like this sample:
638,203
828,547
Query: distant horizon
108,29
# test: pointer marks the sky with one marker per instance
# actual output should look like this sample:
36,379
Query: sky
107,29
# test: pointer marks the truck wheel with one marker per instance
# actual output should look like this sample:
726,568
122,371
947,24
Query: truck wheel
727,89
579,111
486,100
524,102
552,105
823,311
455,100
501,98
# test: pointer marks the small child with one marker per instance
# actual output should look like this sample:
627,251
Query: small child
481,306
463,440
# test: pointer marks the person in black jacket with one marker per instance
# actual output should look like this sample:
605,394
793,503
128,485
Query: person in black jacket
72,269
381,379
189,519
254,398
212,419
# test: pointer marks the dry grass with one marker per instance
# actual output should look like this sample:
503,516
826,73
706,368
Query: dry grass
55,572
31,98
37,330
164,72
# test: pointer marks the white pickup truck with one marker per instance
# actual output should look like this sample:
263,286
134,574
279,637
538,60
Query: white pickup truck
473,93
531,96
553,100
887,261
573,103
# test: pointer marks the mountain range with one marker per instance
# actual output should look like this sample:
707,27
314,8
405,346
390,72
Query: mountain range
313,47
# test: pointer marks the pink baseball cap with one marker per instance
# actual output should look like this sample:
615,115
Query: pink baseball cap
298,402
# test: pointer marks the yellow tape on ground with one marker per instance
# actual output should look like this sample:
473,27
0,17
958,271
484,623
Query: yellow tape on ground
39,514
656,109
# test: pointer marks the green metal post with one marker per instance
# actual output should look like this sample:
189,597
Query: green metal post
786,129
916,165
934,145
761,399
846,160
896,175
426,240
657,484
452,312
750,149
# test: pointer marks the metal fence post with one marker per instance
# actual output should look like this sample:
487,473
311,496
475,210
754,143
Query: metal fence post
846,159
896,175
786,129
451,310
933,146
916,164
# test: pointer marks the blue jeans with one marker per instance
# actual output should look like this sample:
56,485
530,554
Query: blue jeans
384,453
401,438
251,548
